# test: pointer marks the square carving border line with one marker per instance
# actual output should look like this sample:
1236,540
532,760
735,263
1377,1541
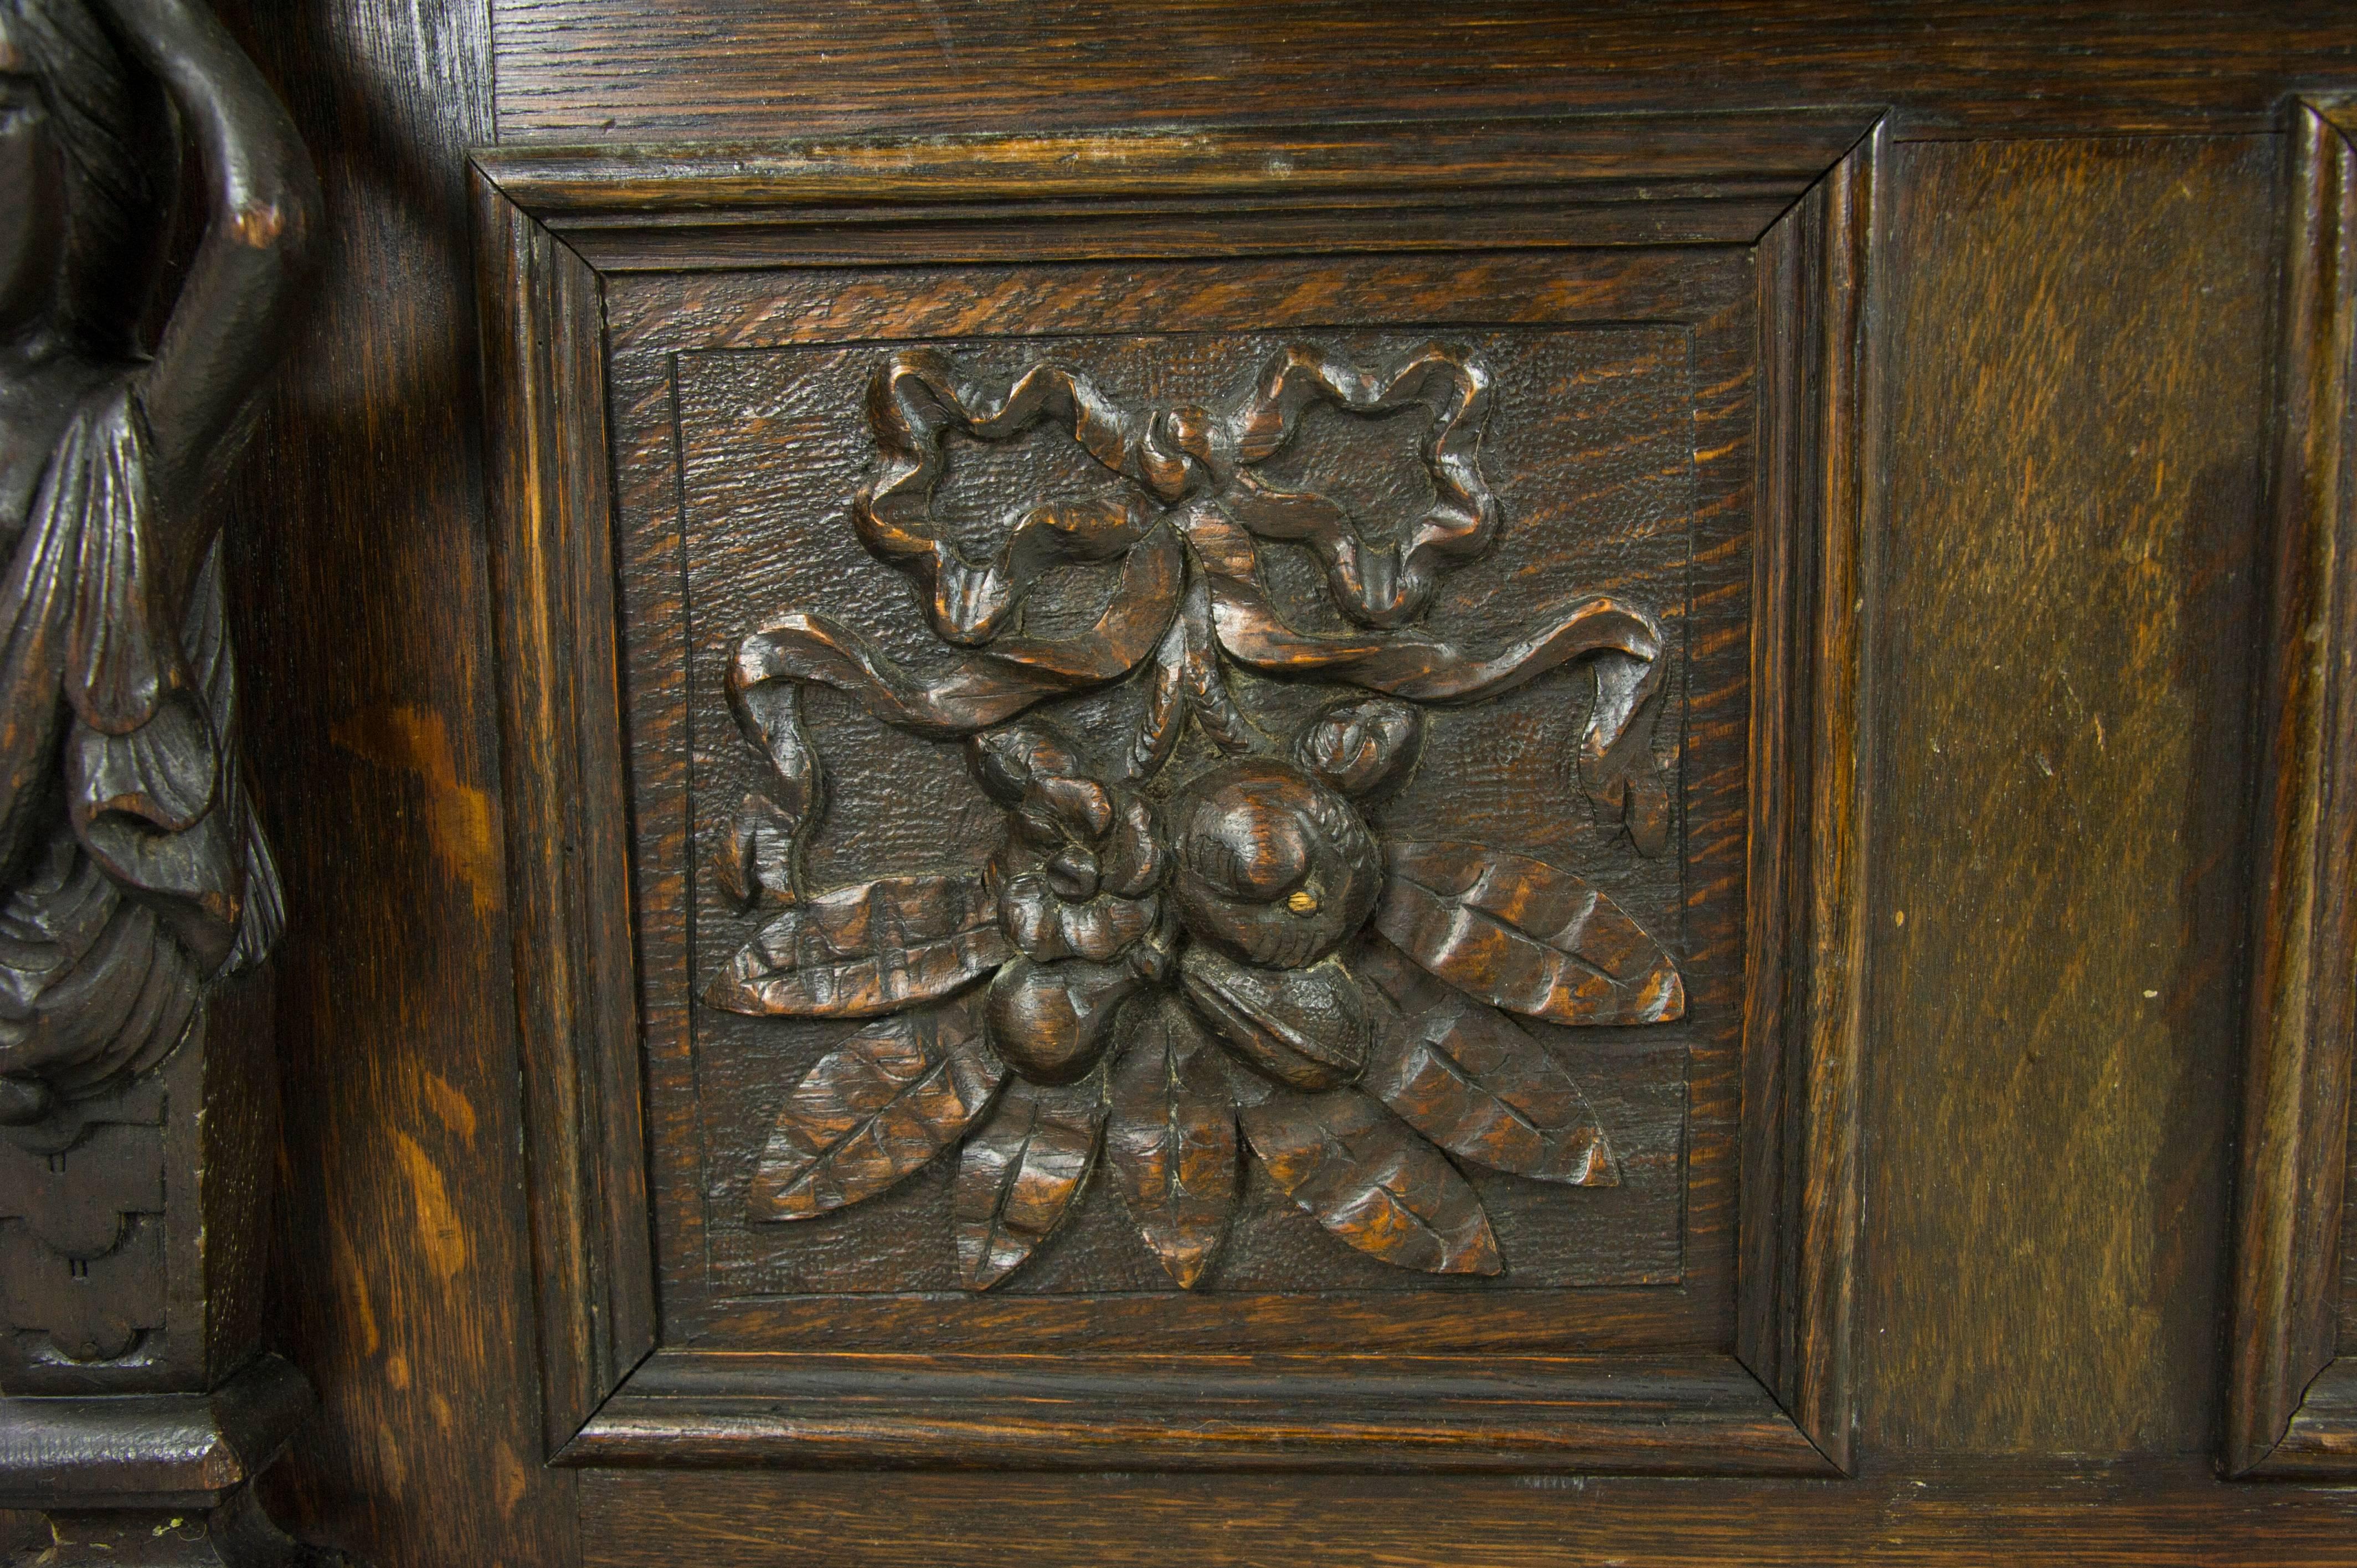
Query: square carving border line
2291,1396
552,223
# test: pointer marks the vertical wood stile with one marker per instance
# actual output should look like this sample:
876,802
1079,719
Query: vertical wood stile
2289,1203
1803,1004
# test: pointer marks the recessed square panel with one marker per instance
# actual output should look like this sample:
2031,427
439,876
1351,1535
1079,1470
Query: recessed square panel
1440,1039
1192,791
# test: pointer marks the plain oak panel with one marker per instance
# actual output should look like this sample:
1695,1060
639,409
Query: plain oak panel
2093,1516
2077,347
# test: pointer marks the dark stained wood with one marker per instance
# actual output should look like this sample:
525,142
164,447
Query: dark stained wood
1805,994
1334,188
1268,861
1700,1414
578,68
138,1100
1170,1140
2076,335
2009,406
2102,1515
876,1319
2290,1289
363,615
2320,1438
552,576
164,1480
150,1452
1019,1173
1525,936
1371,1179
1475,1083
1327,1319
875,1110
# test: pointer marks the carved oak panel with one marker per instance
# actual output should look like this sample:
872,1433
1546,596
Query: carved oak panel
1170,804
1183,820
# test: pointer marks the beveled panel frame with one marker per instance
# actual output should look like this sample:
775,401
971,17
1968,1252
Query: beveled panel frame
556,227
2291,1395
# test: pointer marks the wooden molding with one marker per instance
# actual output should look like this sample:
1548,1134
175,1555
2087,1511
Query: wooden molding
1701,1415
2287,1406
1373,186
555,224
1806,984
551,562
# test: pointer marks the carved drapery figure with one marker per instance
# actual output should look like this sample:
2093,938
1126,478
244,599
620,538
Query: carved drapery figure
133,866
137,1100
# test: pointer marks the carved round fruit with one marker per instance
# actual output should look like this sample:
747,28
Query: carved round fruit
1052,1022
1272,867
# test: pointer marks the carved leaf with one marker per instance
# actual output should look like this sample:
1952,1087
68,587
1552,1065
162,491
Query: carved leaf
876,1108
1467,1078
1185,681
1172,1139
1371,1181
1020,1173
876,947
1527,936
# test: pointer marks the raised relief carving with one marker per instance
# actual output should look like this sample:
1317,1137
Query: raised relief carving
134,869
134,880
1193,942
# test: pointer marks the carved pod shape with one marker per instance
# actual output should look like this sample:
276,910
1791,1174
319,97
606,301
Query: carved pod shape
1362,747
1306,1028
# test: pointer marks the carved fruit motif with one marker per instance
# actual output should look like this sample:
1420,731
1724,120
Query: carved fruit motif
1273,867
1170,974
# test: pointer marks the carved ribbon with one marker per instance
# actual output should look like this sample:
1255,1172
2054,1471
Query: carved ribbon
1174,601
1377,585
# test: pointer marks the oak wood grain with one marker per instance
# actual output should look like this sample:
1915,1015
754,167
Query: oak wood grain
1806,921
405,1279
552,578
740,68
1335,187
2287,1283
1931,1512
671,409
2077,341
1700,1414
742,310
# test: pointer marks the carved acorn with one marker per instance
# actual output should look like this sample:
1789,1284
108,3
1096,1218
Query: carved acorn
1271,866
